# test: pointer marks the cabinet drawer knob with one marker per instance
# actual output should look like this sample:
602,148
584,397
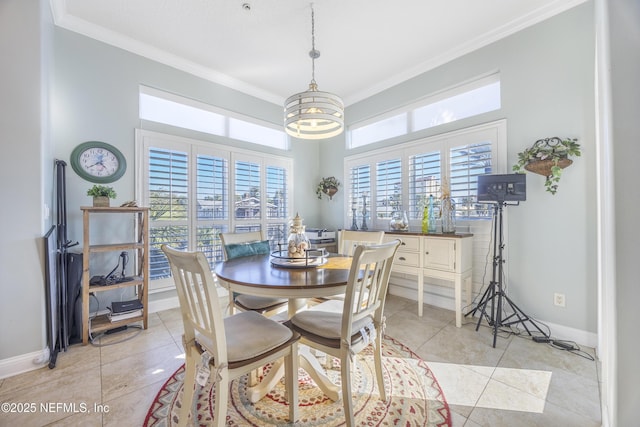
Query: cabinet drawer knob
402,258
427,252
403,244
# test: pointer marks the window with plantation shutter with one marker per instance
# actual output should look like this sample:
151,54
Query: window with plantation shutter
197,190
405,175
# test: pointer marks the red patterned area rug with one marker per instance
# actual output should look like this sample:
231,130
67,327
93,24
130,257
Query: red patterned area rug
414,397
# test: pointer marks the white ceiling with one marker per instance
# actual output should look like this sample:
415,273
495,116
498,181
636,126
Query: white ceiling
366,45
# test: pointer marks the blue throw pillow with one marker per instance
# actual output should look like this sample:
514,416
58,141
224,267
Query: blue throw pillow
238,250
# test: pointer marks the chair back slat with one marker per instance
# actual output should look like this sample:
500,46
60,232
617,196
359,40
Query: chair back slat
196,289
367,283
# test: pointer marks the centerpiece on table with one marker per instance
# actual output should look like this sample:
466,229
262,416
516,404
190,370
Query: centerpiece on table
297,243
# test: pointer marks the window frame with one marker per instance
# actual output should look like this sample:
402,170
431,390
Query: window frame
405,115
230,120
496,131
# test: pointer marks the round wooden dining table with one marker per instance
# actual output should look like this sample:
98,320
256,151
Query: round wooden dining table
257,275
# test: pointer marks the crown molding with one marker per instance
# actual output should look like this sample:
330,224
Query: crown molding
72,23
69,22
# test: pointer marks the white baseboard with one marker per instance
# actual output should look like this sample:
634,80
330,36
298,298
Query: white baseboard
173,302
443,297
163,304
24,363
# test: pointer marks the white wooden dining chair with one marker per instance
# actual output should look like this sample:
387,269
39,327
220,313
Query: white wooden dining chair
234,346
344,333
348,240
234,245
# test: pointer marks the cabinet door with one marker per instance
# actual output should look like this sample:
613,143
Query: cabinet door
440,254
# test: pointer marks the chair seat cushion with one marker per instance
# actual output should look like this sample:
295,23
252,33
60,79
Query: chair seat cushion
250,334
325,320
252,302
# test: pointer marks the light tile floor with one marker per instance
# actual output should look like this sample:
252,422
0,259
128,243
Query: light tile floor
518,383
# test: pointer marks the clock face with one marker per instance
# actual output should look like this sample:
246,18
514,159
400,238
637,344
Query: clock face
98,162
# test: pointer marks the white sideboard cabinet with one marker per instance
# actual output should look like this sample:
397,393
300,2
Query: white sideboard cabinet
440,256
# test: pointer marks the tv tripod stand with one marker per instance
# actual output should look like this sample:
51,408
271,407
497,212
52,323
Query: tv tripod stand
494,295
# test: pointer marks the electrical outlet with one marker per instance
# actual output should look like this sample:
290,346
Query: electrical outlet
558,300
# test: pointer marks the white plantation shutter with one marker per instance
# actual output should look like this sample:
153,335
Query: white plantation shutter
277,204
388,188
424,181
169,206
212,200
359,185
212,179
467,162
247,204
276,192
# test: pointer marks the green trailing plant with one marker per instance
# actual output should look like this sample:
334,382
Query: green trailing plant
101,191
328,186
548,157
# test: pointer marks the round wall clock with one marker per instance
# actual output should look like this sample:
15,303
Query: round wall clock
98,162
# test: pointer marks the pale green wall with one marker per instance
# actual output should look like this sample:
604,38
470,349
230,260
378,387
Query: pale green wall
547,83
96,98
25,174
97,89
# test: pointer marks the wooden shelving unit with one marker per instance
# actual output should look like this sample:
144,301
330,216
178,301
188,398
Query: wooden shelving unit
139,245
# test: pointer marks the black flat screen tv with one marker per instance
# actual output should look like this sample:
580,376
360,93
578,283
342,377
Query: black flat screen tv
502,188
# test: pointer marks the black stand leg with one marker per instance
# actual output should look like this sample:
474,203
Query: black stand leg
494,295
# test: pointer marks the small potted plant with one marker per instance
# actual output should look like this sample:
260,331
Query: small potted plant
101,195
547,157
328,186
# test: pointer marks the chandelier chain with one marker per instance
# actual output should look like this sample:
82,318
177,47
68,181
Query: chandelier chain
313,114
314,53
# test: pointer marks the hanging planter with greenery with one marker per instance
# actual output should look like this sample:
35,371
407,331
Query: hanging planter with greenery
547,157
328,186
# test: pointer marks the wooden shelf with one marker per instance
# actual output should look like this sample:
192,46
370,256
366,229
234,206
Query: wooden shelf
139,246
135,282
113,209
102,323
115,247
